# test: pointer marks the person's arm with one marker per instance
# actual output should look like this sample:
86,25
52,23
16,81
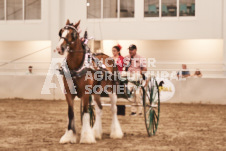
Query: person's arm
144,69
126,63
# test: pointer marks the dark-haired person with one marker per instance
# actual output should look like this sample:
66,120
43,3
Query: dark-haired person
184,73
136,66
30,71
117,57
197,73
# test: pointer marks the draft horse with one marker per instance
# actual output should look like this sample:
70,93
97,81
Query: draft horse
70,41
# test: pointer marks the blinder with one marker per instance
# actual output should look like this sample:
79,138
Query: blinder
73,35
60,32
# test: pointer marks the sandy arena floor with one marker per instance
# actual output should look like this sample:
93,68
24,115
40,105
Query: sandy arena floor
39,125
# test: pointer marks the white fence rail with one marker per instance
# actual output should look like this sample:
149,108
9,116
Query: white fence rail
208,69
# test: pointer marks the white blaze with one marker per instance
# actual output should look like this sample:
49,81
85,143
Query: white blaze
64,34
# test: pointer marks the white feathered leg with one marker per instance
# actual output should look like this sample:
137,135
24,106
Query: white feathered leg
116,131
87,135
97,128
68,137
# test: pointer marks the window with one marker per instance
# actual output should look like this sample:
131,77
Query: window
2,10
187,7
169,8
126,8
110,8
32,9
20,9
14,9
93,8
151,8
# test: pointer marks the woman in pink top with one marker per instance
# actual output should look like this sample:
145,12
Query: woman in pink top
117,57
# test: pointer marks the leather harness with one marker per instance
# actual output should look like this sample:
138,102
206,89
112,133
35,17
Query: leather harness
87,64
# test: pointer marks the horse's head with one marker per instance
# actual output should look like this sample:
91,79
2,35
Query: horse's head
68,36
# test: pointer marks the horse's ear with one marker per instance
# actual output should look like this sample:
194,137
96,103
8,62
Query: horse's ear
77,24
68,22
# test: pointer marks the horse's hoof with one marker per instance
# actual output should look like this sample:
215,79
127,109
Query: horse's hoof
116,135
68,137
87,138
97,134
116,131
97,131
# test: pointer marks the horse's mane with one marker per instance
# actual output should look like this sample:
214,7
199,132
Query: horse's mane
101,54
97,54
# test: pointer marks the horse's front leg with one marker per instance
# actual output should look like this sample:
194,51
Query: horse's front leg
97,128
116,131
87,135
70,134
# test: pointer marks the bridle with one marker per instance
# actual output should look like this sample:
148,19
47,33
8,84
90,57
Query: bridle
74,37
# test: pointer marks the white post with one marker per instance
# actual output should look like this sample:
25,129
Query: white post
224,32
54,24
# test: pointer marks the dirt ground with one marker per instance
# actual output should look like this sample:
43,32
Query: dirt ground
39,125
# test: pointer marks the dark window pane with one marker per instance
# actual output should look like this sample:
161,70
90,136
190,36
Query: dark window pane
14,10
110,8
126,8
2,10
169,8
32,9
93,8
187,8
151,8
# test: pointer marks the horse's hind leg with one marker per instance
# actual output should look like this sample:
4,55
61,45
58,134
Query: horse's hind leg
70,134
97,128
116,131
87,135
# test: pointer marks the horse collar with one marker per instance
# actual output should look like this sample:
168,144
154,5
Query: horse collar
82,70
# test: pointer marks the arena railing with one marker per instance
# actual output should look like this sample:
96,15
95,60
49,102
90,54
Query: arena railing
213,70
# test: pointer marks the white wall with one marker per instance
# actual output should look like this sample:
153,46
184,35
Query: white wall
205,54
25,51
14,49
206,25
198,50
193,90
27,30
199,91
224,31
173,51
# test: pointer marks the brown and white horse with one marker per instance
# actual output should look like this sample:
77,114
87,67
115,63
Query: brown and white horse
69,37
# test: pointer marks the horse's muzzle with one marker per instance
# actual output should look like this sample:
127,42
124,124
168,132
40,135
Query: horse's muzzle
60,50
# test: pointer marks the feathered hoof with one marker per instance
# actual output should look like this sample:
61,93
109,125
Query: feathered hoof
87,138
97,134
117,134
68,137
